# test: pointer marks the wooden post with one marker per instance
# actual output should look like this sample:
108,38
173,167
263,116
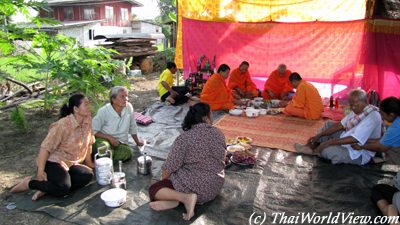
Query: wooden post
177,77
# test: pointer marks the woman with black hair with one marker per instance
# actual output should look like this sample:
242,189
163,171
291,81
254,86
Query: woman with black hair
382,194
67,145
194,169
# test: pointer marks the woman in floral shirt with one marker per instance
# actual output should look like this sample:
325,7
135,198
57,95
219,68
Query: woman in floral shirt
67,145
194,170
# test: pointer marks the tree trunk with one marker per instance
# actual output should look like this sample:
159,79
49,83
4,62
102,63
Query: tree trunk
16,82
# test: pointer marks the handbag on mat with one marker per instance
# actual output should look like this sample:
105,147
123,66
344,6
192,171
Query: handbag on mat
142,119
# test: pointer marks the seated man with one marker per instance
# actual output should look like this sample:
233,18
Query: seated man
171,94
216,93
334,141
278,86
387,197
241,83
113,124
307,102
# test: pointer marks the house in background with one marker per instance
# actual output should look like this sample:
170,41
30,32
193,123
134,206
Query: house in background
85,19
147,27
144,26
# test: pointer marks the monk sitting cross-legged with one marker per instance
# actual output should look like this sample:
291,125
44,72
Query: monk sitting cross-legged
307,102
216,93
278,86
241,83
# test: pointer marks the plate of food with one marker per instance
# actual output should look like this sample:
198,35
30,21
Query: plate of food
244,139
244,100
266,104
235,148
236,112
244,158
275,103
258,99
273,111
258,104
230,141
245,145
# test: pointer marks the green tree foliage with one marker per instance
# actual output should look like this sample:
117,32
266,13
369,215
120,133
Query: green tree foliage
12,7
167,6
10,32
167,15
62,59
19,119
172,15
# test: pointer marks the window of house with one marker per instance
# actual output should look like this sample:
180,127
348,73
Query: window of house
136,26
47,14
68,13
124,14
109,13
88,13
91,34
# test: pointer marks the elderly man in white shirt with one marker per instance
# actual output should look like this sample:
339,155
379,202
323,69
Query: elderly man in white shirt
113,124
334,140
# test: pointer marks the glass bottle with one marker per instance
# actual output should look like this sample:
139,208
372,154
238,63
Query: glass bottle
331,102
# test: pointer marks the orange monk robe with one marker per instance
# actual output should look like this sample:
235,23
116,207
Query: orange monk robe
277,84
217,94
306,103
243,81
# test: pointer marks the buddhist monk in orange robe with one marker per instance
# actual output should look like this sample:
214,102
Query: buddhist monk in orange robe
241,83
216,93
278,86
307,102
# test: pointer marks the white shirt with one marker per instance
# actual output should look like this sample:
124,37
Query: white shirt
107,121
369,127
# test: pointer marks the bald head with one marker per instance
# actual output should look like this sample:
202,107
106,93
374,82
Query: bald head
244,66
282,69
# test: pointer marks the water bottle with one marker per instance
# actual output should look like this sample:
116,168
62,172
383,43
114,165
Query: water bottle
337,103
331,102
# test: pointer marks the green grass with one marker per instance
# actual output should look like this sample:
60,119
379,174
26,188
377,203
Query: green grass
18,117
23,75
35,103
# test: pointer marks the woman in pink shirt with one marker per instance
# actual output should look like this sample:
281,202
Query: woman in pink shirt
64,150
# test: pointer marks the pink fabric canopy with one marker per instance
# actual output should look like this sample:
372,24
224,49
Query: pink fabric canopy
344,55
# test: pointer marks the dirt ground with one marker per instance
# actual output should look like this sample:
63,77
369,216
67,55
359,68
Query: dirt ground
18,150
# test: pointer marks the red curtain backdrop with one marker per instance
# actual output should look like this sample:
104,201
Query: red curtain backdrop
336,53
382,63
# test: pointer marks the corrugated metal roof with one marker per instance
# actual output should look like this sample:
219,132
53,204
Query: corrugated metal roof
133,35
65,24
145,21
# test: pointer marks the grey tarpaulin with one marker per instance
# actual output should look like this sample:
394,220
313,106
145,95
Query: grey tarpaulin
280,182
166,127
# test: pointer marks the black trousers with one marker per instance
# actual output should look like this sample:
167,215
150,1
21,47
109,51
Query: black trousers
180,98
383,191
60,182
